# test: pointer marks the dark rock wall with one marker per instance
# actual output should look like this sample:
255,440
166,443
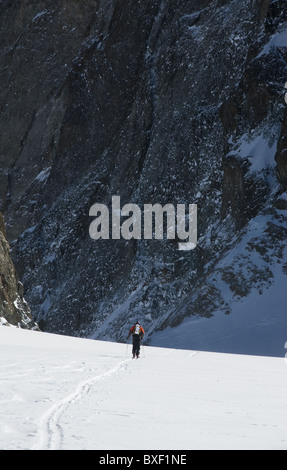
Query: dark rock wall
151,101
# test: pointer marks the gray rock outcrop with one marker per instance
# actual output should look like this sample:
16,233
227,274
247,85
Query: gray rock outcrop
14,310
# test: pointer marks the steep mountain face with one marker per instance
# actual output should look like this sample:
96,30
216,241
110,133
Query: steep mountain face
156,102
14,310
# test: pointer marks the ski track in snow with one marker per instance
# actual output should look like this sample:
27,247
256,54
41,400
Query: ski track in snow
60,393
51,434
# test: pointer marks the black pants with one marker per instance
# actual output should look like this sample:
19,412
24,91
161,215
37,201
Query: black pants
136,345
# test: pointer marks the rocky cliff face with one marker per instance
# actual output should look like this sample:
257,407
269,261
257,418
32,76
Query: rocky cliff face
157,102
14,310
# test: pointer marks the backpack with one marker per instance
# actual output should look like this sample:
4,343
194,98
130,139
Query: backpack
137,329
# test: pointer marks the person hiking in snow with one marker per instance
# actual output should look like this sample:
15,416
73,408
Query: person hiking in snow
137,332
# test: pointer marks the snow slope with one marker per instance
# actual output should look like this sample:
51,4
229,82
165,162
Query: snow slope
255,327
257,320
68,393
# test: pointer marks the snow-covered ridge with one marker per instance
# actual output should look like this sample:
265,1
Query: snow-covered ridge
68,393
